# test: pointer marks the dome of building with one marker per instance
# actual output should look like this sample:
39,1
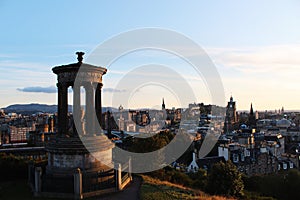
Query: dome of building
283,123
243,126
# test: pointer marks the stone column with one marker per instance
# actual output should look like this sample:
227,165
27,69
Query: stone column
77,110
62,108
59,109
98,103
130,168
38,180
30,175
118,176
78,184
90,110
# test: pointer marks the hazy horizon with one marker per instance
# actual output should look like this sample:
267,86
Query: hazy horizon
141,108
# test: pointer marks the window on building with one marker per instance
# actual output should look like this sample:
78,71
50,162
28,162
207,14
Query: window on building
235,158
247,153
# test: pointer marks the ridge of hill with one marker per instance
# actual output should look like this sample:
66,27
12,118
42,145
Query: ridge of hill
34,108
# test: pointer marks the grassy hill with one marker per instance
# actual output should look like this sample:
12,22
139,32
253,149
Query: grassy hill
154,189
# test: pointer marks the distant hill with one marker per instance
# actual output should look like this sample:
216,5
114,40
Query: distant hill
111,109
33,108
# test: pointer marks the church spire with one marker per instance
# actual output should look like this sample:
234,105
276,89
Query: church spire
163,106
251,110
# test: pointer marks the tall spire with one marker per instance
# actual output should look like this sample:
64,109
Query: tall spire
163,106
251,110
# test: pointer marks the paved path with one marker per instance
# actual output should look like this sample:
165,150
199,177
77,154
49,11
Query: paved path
131,192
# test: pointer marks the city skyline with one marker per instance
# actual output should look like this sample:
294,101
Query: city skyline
254,46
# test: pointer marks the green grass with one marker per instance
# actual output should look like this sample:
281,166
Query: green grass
154,189
153,192
254,195
16,189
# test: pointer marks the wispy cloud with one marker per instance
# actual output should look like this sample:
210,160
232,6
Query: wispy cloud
273,58
113,90
10,65
37,89
53,89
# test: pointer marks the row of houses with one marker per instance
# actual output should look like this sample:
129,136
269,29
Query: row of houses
252,151
29,129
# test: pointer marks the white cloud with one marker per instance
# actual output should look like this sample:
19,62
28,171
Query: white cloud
113,90
37,89
274,58
27,66
264,75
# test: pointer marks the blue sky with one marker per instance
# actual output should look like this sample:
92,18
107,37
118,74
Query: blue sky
254,44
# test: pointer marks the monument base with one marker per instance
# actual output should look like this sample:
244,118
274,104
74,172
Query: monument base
73,169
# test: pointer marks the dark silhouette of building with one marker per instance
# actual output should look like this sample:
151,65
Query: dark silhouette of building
163,106
231,116
140,117
251,118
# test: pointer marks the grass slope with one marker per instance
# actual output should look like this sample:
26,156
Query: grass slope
16,189
154,189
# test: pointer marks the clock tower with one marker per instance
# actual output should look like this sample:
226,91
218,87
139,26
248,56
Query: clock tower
231,117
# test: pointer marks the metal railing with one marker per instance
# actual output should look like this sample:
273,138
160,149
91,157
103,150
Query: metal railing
98,181
57,184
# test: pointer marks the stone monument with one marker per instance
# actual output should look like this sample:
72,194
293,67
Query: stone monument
73,169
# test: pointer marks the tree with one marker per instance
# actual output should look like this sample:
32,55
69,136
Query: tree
12,167
150,144
292,184
283,185
225,179
199,179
